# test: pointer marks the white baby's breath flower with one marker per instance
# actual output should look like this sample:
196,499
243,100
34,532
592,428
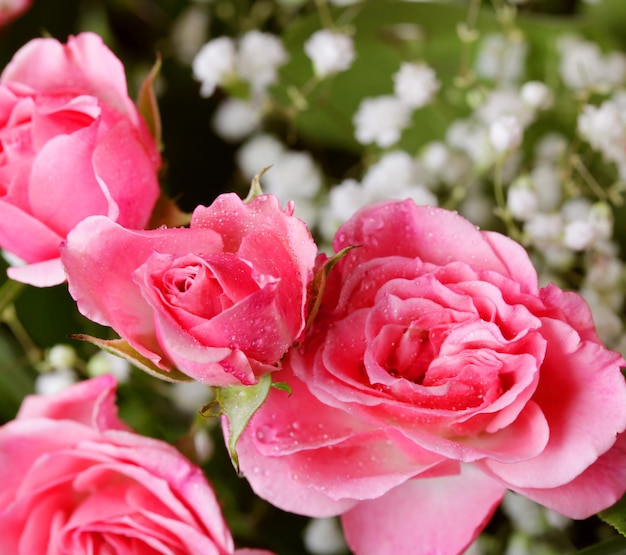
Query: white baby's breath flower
500,59
435,156
330,52
190,396
394,171
521,199
546,178
62,356
258,58
505,133
419,194
583,65
381,120
415,84
505,102
56,381
526,515
544,229
294,175
214,64
551,147
577,208
323,536
257,153
579,235
203,445
235,119
472,138
604,127
345,199
107,363
537,95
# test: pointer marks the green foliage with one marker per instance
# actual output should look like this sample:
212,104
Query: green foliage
376,25
238,404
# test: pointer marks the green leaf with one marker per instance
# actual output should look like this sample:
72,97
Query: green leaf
616,516
238,404
147,103
612,546
122,349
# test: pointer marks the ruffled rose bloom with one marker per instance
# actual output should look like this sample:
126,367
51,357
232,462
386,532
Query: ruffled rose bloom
12,9
436,376
76,480
222,300
72,144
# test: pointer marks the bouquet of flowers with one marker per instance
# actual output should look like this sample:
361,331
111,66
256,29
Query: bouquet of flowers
345,277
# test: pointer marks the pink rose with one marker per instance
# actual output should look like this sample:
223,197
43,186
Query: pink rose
76,480
12,9
436,376
72,144
222,301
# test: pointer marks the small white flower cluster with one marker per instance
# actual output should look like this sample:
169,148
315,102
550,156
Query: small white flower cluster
323,536
255,59
58,371
235,119
396,175
604,128
498,123
292,175
501,58
584,66
382,119
330,52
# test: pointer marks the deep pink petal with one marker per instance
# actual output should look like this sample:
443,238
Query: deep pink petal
23,442
61,164
323,453
97,247
127,175
582,394
90,402
229,216
42,244
439,516
596,489
39,274
437,236
83,64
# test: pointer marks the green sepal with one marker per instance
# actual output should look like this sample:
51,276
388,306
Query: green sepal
318,284
282,386
122,349
147,103
238,403
255,186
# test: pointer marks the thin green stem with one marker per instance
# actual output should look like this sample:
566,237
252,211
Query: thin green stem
502,210
9,291
324,14
32,352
